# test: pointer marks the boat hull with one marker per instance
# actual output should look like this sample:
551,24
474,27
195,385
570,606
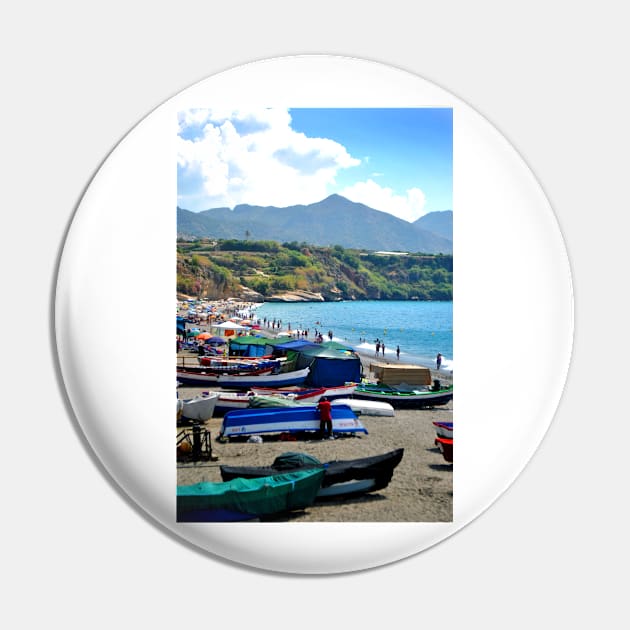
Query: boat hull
199,408
343,478
269,380
444,429
248,499
446,448
314,394
415,399
366,407
199,376
257,421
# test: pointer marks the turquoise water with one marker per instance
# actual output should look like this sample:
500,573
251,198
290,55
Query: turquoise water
421,329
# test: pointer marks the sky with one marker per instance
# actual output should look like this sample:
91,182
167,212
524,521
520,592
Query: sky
398,161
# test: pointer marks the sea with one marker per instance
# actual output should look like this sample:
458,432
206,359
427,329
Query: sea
421,329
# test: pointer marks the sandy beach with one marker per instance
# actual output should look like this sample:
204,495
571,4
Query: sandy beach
421,489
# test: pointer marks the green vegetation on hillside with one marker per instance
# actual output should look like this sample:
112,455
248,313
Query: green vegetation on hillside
219,269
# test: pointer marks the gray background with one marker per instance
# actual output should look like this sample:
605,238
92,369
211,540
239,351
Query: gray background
550,76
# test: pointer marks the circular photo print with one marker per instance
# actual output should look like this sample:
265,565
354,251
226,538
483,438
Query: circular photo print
314,314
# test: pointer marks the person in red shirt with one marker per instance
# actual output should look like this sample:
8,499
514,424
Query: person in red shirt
325,419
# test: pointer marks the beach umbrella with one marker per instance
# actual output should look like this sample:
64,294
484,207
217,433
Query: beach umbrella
204,335
229,326
216,340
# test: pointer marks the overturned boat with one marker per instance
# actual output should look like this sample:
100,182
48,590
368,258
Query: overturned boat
344,478
257,421
248,499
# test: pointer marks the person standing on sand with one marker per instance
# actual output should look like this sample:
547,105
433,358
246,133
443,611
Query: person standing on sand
398,352
325,419
383,348
378,347
438,361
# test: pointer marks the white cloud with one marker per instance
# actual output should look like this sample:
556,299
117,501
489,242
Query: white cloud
409,206
230,157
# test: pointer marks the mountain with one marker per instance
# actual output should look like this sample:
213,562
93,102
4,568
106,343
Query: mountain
332,221
440,223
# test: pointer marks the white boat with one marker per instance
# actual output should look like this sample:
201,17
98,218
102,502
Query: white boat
200,407
365,407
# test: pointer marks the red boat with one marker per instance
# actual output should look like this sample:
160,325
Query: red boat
446,448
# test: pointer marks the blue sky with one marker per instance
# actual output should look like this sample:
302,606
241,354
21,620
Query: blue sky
394,160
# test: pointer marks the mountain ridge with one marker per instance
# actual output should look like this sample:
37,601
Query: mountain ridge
334,220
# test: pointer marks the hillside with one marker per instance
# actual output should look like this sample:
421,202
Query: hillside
332,221
267,270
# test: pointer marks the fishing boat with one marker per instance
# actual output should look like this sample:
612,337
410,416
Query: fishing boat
200,407
242,400
230,365
406,395
360,407
366,407
446,448
317,393
248,499
253,421
247,381
203,376
237,400
444,429
344,478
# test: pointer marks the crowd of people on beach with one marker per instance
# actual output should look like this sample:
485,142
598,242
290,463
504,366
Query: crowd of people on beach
205,312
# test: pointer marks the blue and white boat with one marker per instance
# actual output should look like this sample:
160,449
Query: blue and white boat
257,421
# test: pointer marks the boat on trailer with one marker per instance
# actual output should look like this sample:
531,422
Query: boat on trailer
258,421
343,478
248,499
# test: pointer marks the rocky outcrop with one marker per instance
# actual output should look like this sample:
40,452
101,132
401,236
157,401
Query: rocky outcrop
249,295
295,296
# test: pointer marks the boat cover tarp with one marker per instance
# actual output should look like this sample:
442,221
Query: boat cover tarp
296,344
331,364
249,346
290,461
265,495
378,467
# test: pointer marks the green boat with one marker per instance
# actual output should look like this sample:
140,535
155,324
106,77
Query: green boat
412,396
248,499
